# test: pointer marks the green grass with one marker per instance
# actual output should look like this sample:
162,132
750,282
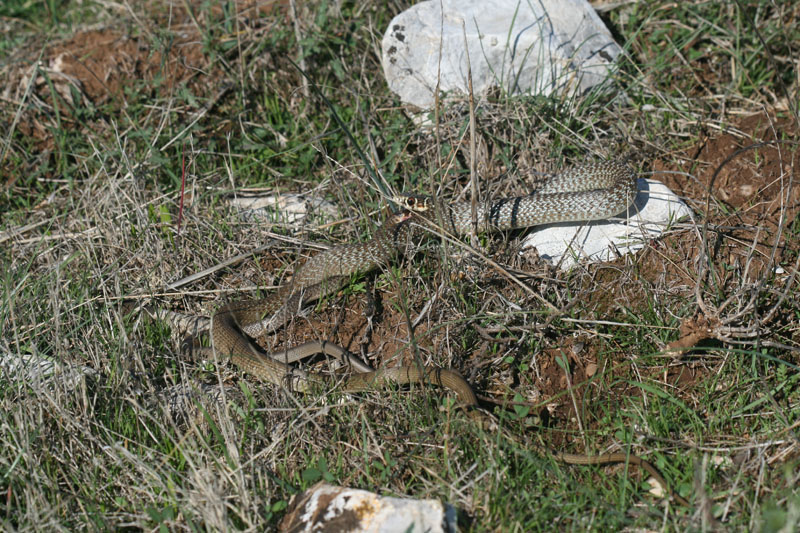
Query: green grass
130,433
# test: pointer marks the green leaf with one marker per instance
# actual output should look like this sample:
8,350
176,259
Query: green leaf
311,475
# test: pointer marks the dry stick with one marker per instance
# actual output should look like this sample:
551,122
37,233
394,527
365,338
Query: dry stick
57,236
17,116
183,186
17,232
219,266
370,170
373,152
298,37
787,188
703,262
235,259
238,30
188,10
198,115
436,118
703,259
437,135
769,315
473,181
436,102
197,292
565,367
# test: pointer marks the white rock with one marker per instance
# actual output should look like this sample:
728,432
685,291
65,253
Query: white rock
653,210
287,208
327,508
537,47
38,372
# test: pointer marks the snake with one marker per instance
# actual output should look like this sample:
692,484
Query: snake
582,193
321,275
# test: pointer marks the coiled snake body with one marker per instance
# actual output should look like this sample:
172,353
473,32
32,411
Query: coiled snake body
587,192
321,275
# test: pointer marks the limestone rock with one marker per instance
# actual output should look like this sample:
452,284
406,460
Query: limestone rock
542,47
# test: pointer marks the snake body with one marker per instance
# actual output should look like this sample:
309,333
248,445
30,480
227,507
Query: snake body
321,275
582,193
587,192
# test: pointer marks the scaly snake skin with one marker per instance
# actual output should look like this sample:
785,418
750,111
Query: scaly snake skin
583,193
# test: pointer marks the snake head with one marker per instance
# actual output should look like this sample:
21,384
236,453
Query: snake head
416,203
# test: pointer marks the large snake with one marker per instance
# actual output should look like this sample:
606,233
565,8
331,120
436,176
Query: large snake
587,192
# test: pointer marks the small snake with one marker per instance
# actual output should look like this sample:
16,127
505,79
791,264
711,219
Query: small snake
588,192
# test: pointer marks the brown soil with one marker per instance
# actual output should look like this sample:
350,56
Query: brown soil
753,194
105,62
99,66
746,178
102,64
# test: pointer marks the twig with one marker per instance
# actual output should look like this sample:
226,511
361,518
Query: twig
500,269
565,367
219,266
298,37
473,181
183,186
12,232
198,115
370,170
17,115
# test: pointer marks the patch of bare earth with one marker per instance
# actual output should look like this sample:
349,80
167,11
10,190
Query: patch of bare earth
745,180
742,185
100,66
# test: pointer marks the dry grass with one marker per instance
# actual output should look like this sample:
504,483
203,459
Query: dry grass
686,354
